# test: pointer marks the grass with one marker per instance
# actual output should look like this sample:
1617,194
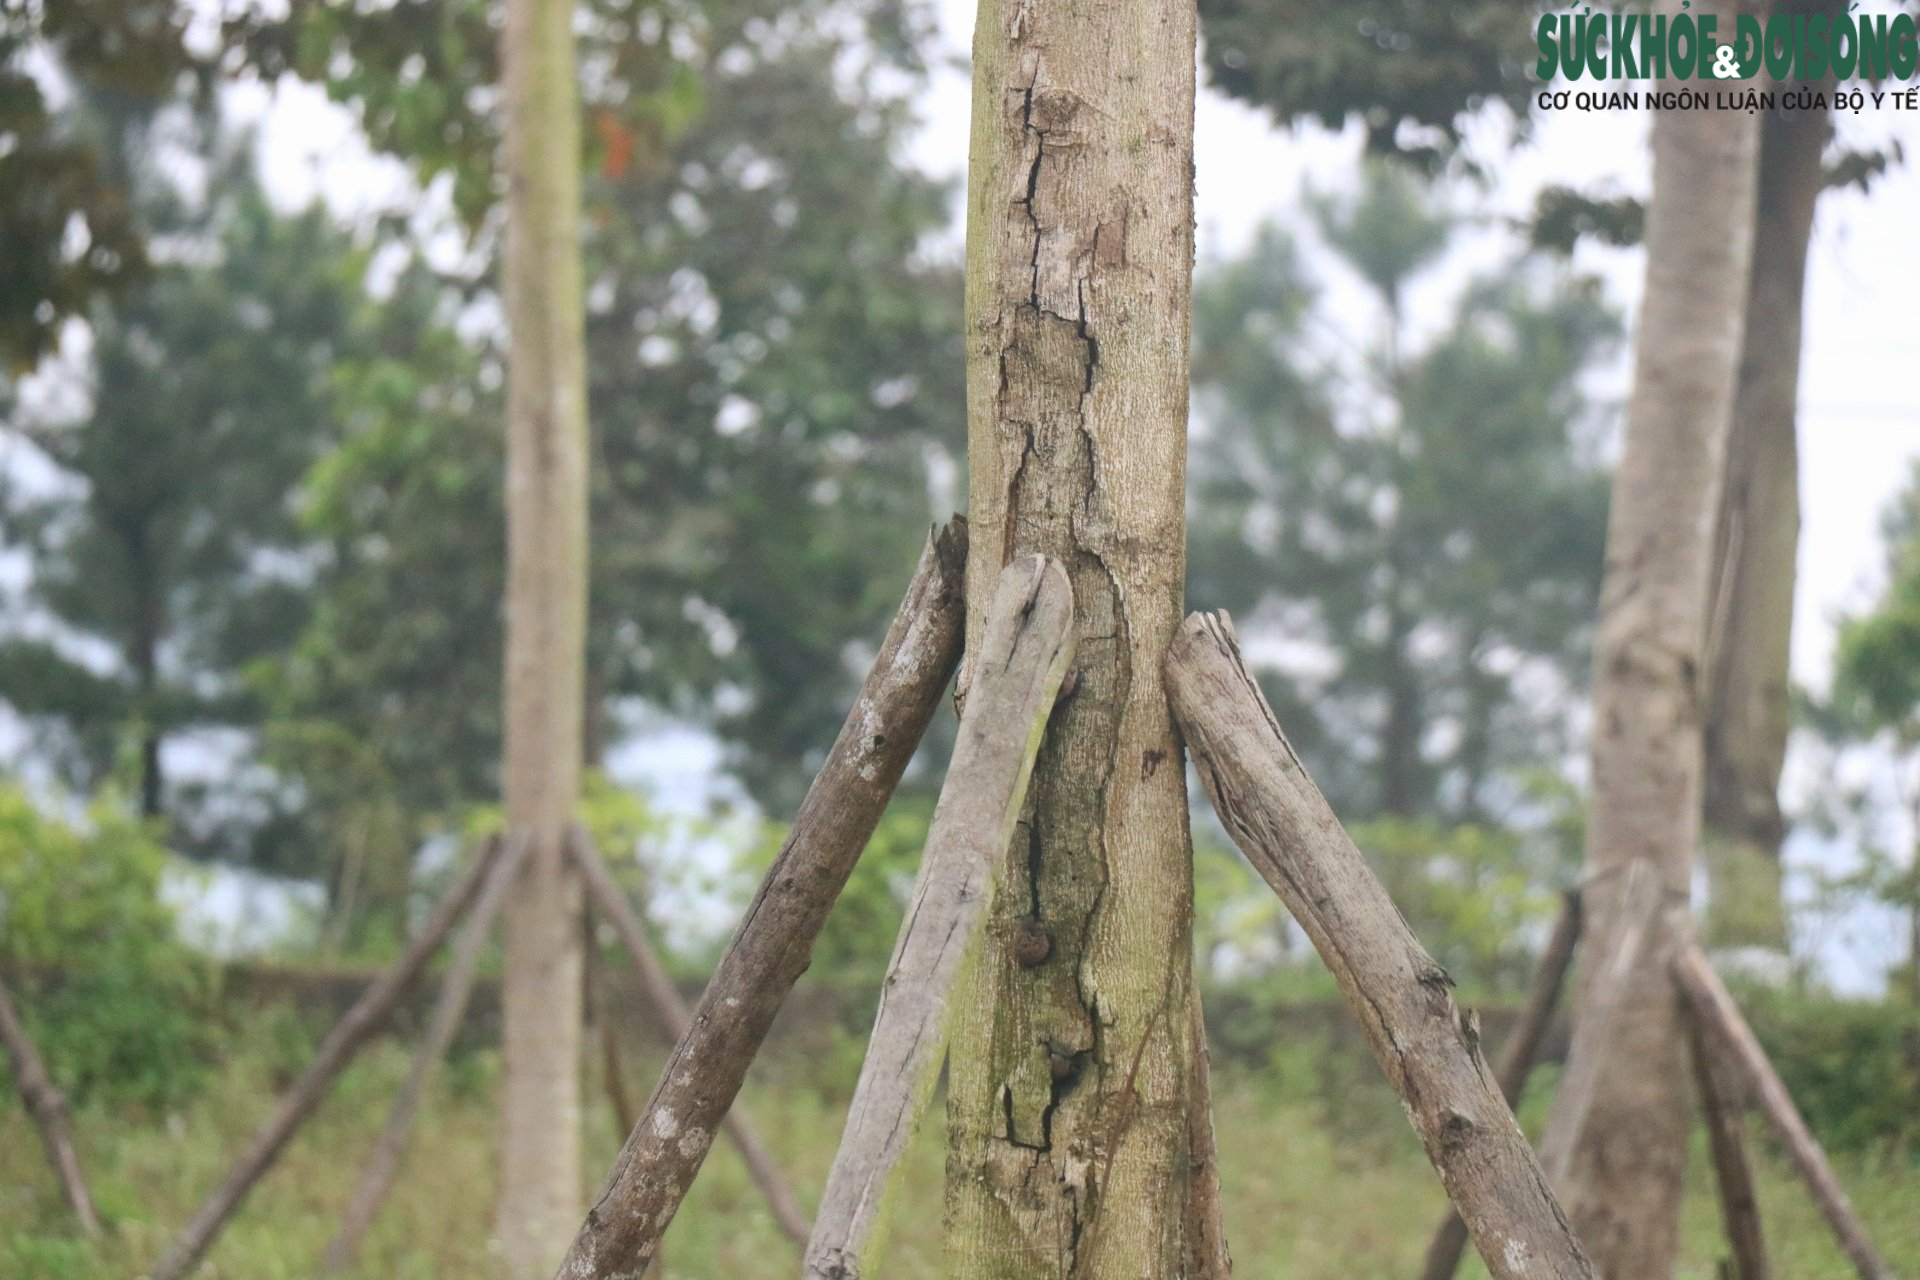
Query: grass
1323,1180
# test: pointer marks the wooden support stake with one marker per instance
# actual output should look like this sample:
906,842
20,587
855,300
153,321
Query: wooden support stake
1024,653
1207,1255
1517,1057
1601,1005
1720,1108
1713,1005
48,1107
346,1039
456,989
1401,998
674,1017
775,939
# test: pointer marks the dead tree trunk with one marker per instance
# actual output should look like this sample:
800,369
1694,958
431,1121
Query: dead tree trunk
1069,1078
456,988
546,616
671,1012
1732,1174
1713,1004
1517,1056
1624,1187
1024,654
48,1108
1429,1050
346,1039
768,953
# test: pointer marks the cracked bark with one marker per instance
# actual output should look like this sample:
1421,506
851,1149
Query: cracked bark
1025,651
1068,1151
1428,1049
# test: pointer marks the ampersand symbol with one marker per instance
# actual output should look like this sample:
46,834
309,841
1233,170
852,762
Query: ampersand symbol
1726,62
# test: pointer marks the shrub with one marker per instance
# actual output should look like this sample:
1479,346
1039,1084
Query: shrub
110,994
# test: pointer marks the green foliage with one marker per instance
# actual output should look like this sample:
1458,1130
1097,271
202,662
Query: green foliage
1410,536
1478,898
70,228
111,996
166,557
1852,1066
773,359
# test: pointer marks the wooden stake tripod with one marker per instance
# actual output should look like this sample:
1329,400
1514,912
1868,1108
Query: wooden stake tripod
1428,1049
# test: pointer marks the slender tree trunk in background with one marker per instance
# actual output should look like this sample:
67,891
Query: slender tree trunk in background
1071,1060
540,1193
1624,1180
1749,708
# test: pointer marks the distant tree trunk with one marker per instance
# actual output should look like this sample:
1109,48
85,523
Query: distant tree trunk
1625,1172
539,1192
1069,1144
1748,701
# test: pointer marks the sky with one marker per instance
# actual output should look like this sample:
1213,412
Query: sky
1860,403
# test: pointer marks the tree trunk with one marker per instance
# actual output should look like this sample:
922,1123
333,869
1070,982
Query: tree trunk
539,1191
1625,1178
1069,1075
1748,700
1026,649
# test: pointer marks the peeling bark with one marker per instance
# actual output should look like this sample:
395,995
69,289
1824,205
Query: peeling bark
1624,1188
1024,654
1071,1063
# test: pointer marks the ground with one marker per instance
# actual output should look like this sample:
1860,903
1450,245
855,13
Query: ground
1323,1180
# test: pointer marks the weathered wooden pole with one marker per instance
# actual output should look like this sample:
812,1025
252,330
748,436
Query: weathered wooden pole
1024,653
456,989
1720,1109
1429,1050
48,1107
346,1040
775,939
1517,1057
1713,1003
673,1016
